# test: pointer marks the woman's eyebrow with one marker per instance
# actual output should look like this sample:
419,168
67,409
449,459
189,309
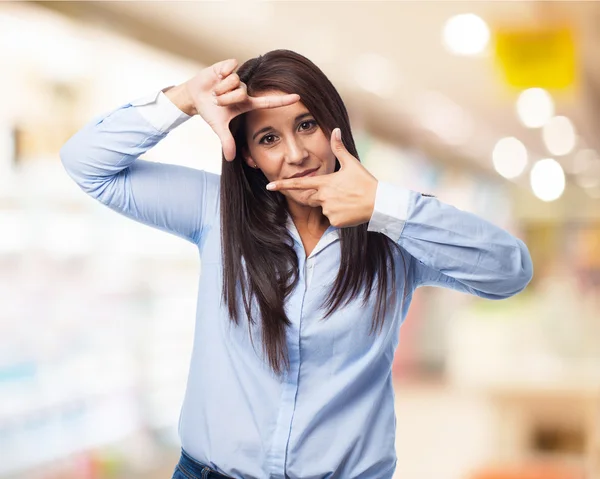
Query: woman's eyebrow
267,128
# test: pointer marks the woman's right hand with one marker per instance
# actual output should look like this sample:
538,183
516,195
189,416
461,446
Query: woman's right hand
218,96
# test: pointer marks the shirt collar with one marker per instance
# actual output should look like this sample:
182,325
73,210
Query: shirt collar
331,235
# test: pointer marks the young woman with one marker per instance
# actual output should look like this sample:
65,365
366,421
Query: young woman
308,267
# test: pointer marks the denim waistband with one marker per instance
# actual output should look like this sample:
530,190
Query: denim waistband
196,470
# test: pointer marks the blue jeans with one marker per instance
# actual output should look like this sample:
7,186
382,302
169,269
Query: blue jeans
189,468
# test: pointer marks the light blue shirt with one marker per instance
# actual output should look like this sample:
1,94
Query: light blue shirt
332,414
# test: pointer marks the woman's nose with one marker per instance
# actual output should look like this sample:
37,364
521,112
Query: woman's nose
295,152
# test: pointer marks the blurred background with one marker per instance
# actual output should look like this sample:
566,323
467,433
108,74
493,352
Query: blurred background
492,106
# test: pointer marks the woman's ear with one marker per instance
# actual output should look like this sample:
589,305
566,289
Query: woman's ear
247,158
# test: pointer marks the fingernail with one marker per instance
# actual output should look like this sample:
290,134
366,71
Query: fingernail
338,134
215,100
270,186
214,93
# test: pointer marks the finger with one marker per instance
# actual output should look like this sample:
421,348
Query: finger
273,101
224,68
230,98
227,142
314,200
312,182
338,148
227,84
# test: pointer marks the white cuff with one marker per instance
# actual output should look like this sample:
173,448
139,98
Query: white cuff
391,210
160,112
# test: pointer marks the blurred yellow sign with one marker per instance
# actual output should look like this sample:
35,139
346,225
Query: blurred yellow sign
542,58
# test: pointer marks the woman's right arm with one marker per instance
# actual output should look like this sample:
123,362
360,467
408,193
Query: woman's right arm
102,158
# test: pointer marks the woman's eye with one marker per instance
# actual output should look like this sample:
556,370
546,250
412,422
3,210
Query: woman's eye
267,139
307,125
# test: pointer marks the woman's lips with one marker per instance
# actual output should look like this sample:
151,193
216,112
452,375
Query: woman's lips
312,173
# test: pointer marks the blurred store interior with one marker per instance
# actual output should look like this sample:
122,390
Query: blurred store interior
492,106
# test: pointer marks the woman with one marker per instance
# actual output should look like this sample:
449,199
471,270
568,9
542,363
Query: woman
308,267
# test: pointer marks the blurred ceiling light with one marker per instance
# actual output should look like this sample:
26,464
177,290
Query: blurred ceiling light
588,176
375,74
440,115
535,107
559,135
547,179
509,157
465,34
583,161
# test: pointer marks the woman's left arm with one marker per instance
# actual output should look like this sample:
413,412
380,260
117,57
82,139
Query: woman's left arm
450,247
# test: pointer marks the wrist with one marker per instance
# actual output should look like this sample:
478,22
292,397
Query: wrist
370,196
180,97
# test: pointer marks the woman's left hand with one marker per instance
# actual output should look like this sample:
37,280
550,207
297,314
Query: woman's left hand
346,196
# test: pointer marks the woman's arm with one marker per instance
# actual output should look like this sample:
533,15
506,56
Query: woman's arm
450,247
102,158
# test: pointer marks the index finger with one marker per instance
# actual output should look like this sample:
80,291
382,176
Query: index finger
310,183
273,101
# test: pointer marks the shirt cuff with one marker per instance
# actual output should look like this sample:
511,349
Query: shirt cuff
391,210
160,112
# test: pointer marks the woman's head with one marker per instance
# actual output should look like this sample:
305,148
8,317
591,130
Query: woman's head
282,142
285,142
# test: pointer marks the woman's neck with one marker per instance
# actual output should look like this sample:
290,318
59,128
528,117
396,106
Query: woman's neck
308,219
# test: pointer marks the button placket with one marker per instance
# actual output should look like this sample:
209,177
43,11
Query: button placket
310,266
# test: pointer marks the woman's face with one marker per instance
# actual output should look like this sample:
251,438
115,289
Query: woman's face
286,141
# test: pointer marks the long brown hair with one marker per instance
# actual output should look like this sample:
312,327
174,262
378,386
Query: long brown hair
258,255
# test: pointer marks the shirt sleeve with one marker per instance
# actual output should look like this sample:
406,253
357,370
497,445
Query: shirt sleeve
450,247
103,159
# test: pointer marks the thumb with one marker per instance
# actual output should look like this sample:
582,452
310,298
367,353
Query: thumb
227,142
338,148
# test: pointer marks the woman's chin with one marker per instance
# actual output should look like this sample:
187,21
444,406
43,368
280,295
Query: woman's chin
301,197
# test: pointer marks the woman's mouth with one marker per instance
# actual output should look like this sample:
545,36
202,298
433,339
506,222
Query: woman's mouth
310,172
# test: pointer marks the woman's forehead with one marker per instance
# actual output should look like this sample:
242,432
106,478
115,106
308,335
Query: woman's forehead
279,115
